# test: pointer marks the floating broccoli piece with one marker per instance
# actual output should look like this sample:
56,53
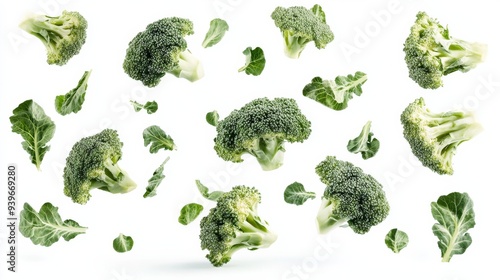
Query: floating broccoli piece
72,101
63,35
92,164
434,137
365,143
215,33
299,26
234,224
261,128
150,106
431,53
351,196
255,61
160,49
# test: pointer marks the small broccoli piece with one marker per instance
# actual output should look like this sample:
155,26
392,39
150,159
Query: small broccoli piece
92,164
299,26
234,224
261,128
434,137
365,143
160,49
350,196
63,36
431,53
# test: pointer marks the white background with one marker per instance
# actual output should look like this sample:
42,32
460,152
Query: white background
369,37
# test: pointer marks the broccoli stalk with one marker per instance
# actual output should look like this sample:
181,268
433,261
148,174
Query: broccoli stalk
294,44
113,179
327,218
188,67
269,152
63,36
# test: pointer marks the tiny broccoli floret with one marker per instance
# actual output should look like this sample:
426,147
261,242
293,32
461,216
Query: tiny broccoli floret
299,26
261,128
234,224
63,36
160,49
350,196
431,53
434,137
92,164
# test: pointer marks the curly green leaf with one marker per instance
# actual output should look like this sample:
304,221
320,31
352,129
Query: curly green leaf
72,101
158,139
296,194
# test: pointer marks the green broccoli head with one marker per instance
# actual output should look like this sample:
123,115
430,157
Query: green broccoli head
261,128
63,36
299,26
434,137
160,49
350,196
92,164
234,224
431,53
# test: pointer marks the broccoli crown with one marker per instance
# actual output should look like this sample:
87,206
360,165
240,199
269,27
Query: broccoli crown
350,196
63,36
92,163
260,128
160,49
434,137
234,224
430,52
300,26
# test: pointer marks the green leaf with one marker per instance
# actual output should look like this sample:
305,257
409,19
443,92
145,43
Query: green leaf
46,227
215,33
255,61
204,191
158,139
189,213
212,118
72,101
364,143
150,106
155,180
296,194
36,128
455,216
318,12
335,94
396,240
123,243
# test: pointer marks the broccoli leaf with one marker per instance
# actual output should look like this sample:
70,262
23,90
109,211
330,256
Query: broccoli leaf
36,128
319,13
296,194
123,243
212,118
189,213
455,215
46,227
158,139
255,61
335,94
204,191
215,33
396,240
364,143
150,106
72,101
155,180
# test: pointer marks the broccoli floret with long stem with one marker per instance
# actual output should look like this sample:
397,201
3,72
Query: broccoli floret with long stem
261,128
431,53
234,224
351,196
434,137
63,36
299,26
161,49
92,164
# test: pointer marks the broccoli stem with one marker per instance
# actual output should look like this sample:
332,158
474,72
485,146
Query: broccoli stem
114,179
253,235
460,55
48,29
325,219
294,45
269,152
189,67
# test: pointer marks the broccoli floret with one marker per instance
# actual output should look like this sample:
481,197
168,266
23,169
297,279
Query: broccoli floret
63,36
350,196
299,26
434,137
160,49
92,164
431,53
234,224
261,128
